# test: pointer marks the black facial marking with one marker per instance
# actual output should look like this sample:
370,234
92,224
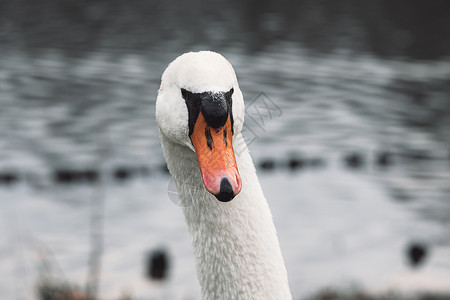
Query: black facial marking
193,102
225,137
209,139
228,96
215,108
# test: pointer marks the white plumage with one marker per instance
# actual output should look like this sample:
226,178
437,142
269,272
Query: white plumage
235,243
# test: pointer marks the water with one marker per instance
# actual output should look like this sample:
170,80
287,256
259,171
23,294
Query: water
371,134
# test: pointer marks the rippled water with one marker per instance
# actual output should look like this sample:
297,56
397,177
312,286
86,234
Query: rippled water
369,138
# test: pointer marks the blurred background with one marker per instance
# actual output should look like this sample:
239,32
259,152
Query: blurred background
354,156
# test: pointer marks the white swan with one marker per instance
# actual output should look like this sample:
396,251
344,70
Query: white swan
200,113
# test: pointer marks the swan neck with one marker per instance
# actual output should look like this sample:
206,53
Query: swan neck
235,243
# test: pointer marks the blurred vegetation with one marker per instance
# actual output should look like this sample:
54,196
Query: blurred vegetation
51,290
59,291
409,28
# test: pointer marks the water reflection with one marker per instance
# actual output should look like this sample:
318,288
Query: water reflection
73,121
415,29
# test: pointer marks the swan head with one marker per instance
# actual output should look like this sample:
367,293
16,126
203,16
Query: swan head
200,106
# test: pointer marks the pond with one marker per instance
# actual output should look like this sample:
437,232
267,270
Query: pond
352,152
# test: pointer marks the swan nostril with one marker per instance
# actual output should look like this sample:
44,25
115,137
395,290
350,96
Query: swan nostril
226,193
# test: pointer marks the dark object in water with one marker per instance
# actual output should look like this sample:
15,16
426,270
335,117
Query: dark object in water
8,178
354,160
267,165
416,252
122,173
295,163
91,176
66,176
157,265
384,159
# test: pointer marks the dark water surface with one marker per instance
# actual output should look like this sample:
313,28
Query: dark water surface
368,136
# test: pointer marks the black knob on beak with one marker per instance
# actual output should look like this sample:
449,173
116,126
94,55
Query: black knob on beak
214,109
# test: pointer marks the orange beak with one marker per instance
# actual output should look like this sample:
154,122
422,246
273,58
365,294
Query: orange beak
216,160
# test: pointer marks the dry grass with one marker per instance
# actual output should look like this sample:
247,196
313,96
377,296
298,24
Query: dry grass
53,290
60,291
